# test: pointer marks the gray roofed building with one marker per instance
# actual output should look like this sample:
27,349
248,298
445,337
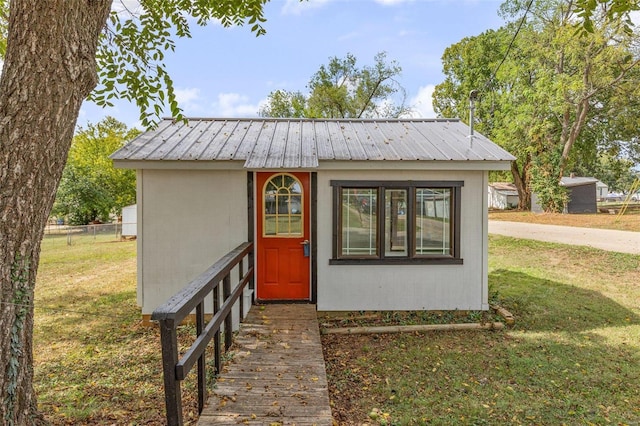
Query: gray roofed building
364,215
581,192
267,143
571,181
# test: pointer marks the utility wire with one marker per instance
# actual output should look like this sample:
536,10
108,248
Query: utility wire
513,39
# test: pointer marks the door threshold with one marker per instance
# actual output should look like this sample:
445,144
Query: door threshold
281,301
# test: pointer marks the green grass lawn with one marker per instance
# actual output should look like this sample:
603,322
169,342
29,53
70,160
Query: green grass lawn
573,356
94,362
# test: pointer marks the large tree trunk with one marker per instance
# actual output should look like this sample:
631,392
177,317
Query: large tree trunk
49,69
521,181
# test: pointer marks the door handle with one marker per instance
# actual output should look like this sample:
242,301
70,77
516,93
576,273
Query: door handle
305,248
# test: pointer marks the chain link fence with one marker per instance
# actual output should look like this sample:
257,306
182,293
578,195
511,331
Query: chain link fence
69,235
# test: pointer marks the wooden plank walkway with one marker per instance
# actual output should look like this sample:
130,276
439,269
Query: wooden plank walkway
277,375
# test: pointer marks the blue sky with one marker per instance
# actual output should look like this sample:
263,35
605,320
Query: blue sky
228,72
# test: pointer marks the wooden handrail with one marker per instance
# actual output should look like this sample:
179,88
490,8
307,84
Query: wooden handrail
192,297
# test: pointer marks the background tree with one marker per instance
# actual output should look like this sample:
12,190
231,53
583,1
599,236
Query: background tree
615,10
609,148
617,173
91,188
553,88
282,103
53,49
341,89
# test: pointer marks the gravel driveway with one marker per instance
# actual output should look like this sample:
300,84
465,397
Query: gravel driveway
604,239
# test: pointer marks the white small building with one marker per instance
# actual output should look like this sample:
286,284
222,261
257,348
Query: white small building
129,221
601,191
503,196
346,214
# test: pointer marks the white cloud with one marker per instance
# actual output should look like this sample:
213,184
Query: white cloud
194,103
422,103
190,102
234,105
263,103
296,7
187,96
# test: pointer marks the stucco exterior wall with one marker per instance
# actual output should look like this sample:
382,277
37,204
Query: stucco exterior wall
407,287
187,220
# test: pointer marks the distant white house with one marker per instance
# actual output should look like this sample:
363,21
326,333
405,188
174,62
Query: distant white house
601,191
503,196
129,221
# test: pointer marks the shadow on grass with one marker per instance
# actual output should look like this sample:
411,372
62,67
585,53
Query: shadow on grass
571,358
471,378
544,305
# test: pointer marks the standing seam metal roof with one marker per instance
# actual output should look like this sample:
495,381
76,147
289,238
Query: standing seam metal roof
302,143
577,181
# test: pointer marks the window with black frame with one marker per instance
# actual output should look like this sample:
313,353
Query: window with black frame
396,222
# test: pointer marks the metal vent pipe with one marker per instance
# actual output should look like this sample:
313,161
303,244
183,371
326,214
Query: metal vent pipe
472,98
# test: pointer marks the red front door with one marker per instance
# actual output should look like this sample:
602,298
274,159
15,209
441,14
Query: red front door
283,236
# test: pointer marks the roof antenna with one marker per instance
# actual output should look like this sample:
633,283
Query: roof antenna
472,99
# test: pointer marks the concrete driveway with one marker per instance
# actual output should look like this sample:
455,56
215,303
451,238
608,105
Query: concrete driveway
604,239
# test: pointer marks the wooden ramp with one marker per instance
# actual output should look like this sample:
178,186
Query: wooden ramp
277,374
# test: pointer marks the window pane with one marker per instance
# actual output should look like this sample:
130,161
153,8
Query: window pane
282,207
295,204
395,227
359,222
433,230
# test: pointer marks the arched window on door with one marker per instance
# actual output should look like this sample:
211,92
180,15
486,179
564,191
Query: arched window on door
282,201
